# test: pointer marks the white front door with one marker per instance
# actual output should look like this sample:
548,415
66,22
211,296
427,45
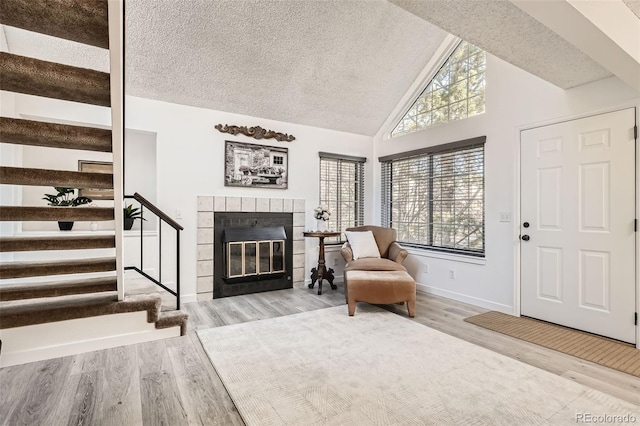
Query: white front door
577,231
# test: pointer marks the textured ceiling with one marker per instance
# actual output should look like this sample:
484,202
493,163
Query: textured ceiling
634,5
507,32
335,64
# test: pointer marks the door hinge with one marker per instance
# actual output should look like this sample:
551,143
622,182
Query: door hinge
635,322
635,225
635,132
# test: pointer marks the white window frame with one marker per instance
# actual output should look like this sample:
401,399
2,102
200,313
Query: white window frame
359,192
424,156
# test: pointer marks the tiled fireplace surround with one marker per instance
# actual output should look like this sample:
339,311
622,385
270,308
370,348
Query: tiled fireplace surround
208,205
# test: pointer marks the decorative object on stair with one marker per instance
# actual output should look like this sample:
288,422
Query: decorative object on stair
130,215
255,132
65,198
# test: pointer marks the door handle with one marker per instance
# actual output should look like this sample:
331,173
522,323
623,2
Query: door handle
525,238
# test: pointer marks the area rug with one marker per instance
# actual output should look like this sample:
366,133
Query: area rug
378,368
610,353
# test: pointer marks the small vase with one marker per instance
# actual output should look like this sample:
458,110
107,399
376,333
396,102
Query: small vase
322,225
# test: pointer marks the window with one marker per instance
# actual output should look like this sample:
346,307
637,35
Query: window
434,197
455,92
342,190
278,160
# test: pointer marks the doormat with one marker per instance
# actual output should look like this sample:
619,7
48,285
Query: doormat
600,350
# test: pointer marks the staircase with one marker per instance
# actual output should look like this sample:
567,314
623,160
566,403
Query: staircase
30,303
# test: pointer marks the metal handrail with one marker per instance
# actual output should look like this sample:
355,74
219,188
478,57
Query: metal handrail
175,225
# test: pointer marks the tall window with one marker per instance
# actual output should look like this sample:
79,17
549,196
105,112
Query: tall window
342,190
434,197
455,92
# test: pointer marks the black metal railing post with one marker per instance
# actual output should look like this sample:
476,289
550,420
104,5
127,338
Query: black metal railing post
141,237
160,251
175,225
178,268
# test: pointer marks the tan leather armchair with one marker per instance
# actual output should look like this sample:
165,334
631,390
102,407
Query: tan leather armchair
391,253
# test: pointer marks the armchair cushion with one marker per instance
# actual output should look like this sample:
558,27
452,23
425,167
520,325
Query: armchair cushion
373,264
363,244
383,236
385,239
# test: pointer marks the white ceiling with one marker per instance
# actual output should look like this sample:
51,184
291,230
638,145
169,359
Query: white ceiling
499,27
634,5
336,64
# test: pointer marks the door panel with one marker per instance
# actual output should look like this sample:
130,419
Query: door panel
550,195
578,194
550,273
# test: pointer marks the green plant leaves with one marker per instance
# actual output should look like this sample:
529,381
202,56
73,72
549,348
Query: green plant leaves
65,198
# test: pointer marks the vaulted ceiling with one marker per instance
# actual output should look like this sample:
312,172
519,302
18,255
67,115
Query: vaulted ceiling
337,64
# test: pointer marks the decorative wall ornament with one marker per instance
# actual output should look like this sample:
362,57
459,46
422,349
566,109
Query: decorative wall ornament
255,132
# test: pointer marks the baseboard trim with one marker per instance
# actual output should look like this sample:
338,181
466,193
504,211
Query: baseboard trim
188,298
338,279
38,342
476,301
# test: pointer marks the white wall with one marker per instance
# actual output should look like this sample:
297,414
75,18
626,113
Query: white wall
514,98
140,171
190,162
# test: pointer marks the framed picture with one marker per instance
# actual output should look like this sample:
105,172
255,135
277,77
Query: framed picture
255,166
95,167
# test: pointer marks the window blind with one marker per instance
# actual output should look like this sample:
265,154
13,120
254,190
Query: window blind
342,190
435,198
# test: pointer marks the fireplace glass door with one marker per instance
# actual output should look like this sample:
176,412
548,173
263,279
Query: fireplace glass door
245,258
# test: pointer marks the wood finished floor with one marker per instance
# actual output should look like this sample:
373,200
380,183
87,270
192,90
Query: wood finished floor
171,382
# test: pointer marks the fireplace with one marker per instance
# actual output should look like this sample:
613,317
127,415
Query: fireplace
252,253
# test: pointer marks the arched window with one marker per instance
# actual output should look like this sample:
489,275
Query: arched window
455,92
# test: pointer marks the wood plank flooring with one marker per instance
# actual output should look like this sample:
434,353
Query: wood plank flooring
172,382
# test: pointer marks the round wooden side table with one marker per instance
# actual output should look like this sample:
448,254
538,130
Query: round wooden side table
321,272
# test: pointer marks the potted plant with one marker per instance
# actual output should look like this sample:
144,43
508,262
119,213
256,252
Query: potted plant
130,215
65,198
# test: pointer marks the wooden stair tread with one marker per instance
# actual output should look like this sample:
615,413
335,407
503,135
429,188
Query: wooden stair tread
26,213
48,177
74,242
57,288
37,311
40,133
58,267
84,21
31,76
